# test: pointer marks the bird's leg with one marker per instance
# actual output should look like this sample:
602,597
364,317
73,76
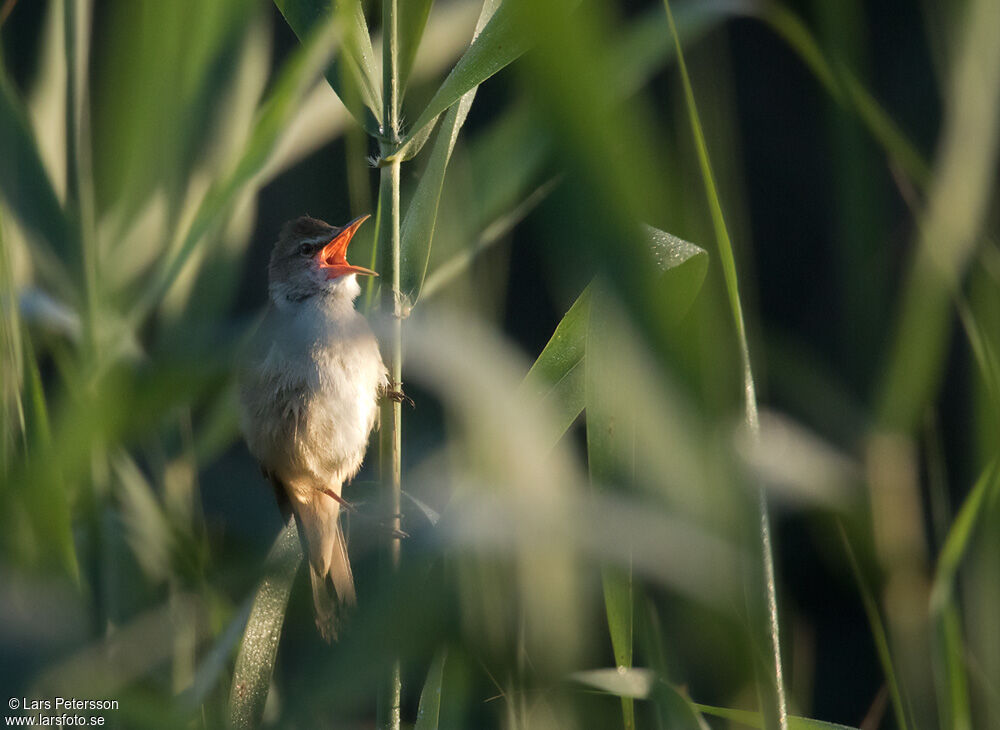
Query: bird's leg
349,506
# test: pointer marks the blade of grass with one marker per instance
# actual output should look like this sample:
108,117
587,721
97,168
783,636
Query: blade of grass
429,709
732,289
259,648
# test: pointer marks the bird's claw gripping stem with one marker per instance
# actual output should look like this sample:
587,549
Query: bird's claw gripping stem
397,395
352,508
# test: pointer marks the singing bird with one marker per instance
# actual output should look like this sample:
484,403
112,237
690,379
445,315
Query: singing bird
309,392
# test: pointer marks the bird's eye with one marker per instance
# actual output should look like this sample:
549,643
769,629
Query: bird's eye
306,249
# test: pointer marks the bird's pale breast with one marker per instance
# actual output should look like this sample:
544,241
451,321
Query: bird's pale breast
310,396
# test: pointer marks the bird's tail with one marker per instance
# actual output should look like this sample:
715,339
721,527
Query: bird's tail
329,565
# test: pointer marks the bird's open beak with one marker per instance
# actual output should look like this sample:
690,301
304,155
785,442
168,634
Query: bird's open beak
333,256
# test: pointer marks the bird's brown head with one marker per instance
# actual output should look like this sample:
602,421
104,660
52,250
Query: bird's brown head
310,258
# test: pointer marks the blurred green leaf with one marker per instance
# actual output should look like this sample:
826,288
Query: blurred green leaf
557,375
511,177
215,661
282,104
449,270
620,607
45,499
959,202
148,530
753,719
430,696
610,438
28,191
353,75
259,648
157,75
417,232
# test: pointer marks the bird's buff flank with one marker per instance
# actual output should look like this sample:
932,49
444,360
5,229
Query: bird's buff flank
309,391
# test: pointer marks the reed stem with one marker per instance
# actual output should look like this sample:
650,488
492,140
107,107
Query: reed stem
390,690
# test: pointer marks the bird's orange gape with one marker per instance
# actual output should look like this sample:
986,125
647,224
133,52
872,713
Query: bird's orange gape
333,256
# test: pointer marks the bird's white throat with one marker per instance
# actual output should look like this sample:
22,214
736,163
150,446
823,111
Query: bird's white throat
335,294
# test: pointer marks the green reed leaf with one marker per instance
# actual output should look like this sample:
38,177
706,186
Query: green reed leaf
417,231
501,43
27,189
558,375
610,437
754,719
353,75
276,112
259,648
429,709
413,16
46,500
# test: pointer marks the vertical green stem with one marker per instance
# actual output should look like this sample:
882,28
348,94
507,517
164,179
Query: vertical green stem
780,707
387,715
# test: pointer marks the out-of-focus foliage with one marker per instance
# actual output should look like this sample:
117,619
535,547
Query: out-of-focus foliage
585,534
